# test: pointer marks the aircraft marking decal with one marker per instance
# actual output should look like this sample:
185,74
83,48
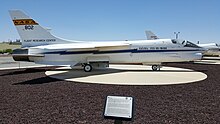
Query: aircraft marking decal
25,22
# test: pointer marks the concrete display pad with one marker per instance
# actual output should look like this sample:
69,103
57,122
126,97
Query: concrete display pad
209,60
129,75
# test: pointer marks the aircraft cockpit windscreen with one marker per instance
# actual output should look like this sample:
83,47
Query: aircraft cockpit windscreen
189,44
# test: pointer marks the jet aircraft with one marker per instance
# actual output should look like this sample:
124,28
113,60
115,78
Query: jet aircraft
150,35
41,47
212,49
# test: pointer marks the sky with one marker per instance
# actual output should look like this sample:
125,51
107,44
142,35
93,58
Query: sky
104,20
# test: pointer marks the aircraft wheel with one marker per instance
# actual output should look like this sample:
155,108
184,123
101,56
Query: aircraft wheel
155,67
87,68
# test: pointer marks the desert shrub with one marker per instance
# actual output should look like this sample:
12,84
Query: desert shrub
4,51
8,51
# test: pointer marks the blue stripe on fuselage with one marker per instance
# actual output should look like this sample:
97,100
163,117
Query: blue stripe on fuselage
115,51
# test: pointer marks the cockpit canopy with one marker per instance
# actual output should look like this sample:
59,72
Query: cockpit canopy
185,43
189,44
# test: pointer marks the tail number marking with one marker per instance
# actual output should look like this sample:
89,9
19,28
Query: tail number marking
29,27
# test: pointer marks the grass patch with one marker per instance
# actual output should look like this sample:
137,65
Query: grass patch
5,46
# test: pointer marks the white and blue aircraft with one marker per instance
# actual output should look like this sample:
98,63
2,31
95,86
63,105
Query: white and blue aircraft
41,47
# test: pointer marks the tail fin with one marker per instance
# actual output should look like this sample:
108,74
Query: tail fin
31,33
150,35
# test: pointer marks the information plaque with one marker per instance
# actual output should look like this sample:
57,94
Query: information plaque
119,107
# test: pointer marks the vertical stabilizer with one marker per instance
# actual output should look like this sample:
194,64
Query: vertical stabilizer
150,35
31,33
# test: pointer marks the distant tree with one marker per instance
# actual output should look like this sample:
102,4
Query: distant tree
18,40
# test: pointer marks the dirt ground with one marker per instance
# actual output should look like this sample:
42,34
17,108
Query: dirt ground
29,96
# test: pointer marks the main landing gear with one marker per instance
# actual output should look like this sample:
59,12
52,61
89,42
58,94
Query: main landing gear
156,67
87,67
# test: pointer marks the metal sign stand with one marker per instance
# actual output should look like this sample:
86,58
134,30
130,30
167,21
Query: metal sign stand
118,121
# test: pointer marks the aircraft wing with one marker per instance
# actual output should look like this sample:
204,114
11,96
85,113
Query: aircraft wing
84,45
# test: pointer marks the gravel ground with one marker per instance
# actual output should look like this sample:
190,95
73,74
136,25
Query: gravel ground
29,96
